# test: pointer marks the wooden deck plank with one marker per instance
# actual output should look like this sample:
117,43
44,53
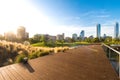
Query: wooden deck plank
5,75
52,69
11,76
21,72
43,69
25,73
41,74
1,77
15,74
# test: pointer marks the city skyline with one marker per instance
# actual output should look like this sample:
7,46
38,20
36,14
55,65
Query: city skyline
60,16
81,33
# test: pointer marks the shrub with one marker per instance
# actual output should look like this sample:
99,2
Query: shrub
33,55
19,58
17,51
51,51
38,54
44,53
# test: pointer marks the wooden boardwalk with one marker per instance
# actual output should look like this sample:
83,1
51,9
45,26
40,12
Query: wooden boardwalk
83,63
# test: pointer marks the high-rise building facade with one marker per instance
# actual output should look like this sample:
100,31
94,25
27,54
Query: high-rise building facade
98,31
26,35
74,36
116,30
22,34
82,35
9,36
60,36
104,36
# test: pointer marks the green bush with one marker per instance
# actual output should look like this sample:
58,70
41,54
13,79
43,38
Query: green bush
33,55
38,54
44,53
19,58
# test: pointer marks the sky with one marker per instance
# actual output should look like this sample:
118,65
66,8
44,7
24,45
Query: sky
59,16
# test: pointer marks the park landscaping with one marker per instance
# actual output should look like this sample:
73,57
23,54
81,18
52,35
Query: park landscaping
12,52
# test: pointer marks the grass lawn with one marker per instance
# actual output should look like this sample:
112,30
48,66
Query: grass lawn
39,44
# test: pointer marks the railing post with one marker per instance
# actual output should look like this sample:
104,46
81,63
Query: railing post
109,54
119,65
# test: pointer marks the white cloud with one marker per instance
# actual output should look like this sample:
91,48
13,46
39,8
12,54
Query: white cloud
103,16
102,13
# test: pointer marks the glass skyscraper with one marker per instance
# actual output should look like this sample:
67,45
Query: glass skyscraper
116,30
98,31
82,34
74,36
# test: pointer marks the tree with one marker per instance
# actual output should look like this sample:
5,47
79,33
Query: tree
96,40
32,40
108,39
43,40
37,37
51,43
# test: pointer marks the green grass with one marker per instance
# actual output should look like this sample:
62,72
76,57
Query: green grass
81,42
39,44
110,43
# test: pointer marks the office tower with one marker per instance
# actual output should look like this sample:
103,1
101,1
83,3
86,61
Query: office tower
98,31
104,36
74,36
82,35
60,36
21,33
10,36
116,30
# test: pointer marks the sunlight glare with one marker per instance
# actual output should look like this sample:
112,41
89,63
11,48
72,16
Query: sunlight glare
15,13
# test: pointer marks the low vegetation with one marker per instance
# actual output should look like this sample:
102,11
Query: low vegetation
58,44
15,52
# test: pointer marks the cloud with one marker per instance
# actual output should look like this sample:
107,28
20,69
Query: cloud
103,16
102,13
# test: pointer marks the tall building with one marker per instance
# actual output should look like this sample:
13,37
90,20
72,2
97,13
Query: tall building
60,36
82,35
104,36
9,36
53,38
116,30
67,39
98,31
22,34
26,35
91,37
74,36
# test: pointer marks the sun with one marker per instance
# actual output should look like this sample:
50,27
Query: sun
15,13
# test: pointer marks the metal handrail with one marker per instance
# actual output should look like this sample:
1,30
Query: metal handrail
111,48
